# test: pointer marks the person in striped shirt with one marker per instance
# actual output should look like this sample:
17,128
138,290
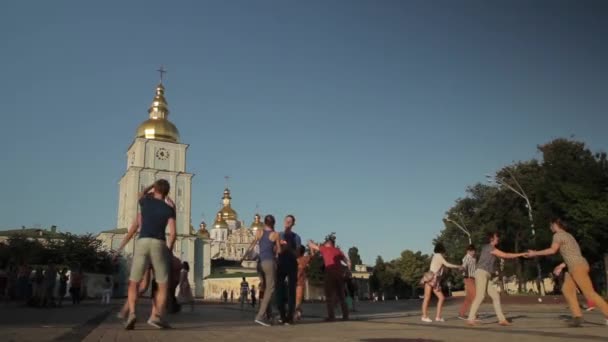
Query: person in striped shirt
469,264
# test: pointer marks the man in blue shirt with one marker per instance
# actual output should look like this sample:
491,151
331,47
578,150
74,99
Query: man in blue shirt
156,213
287,269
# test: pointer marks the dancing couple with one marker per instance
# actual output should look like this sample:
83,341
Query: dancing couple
157,212
277,254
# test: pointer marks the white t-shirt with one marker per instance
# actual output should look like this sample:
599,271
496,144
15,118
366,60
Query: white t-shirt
438,261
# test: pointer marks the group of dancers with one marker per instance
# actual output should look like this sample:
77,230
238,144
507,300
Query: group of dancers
282,268
478,276
153,256
281,255
283,263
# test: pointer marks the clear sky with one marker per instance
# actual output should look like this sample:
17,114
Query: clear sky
367,118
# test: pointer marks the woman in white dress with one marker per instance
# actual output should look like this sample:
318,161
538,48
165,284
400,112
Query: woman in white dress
185,292
432,283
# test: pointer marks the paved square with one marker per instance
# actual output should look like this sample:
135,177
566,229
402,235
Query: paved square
374,322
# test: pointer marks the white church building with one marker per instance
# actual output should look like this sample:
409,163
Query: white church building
156,152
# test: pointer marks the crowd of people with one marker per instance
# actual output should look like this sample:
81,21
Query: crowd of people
40,286
478,275
246,295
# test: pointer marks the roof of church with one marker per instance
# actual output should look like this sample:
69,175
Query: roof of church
227,212
158,126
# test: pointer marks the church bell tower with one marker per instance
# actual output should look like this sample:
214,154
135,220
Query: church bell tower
156,153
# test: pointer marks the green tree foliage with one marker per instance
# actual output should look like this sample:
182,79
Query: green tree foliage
410,267
71,250
355,258
314,273
399,277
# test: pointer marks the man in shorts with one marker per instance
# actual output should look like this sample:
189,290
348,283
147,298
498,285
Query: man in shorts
151,248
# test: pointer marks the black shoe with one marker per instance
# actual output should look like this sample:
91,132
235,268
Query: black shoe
575,322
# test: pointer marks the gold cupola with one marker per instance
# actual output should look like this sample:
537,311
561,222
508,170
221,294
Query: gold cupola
202,230
257,223
228,214
219,222
158,126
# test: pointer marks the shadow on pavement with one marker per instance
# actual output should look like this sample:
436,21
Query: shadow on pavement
398,340
502,330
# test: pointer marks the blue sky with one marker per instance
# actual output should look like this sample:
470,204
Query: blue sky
367,118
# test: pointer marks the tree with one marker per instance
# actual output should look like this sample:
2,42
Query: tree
411,266
314,272
383,276
355,258
21,249
70,250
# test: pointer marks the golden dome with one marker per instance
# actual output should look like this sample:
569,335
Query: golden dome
257,223
227,212
202,231
219,222
158,127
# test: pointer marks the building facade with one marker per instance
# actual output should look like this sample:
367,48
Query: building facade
230,238
157,153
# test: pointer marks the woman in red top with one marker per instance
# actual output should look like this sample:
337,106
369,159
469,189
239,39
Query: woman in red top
334,275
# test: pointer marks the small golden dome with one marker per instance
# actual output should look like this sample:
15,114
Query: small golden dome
158,127
257,223
227,212
219,222
202,230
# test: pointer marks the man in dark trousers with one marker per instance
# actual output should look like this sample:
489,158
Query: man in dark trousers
287,271
172,305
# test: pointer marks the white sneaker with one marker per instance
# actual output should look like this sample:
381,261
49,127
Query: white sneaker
262,323
426,320
439,319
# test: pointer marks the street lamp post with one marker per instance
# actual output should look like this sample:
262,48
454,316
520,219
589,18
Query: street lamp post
460,226
521,193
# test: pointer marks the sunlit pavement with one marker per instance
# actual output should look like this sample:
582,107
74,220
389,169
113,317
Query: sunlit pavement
380,322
